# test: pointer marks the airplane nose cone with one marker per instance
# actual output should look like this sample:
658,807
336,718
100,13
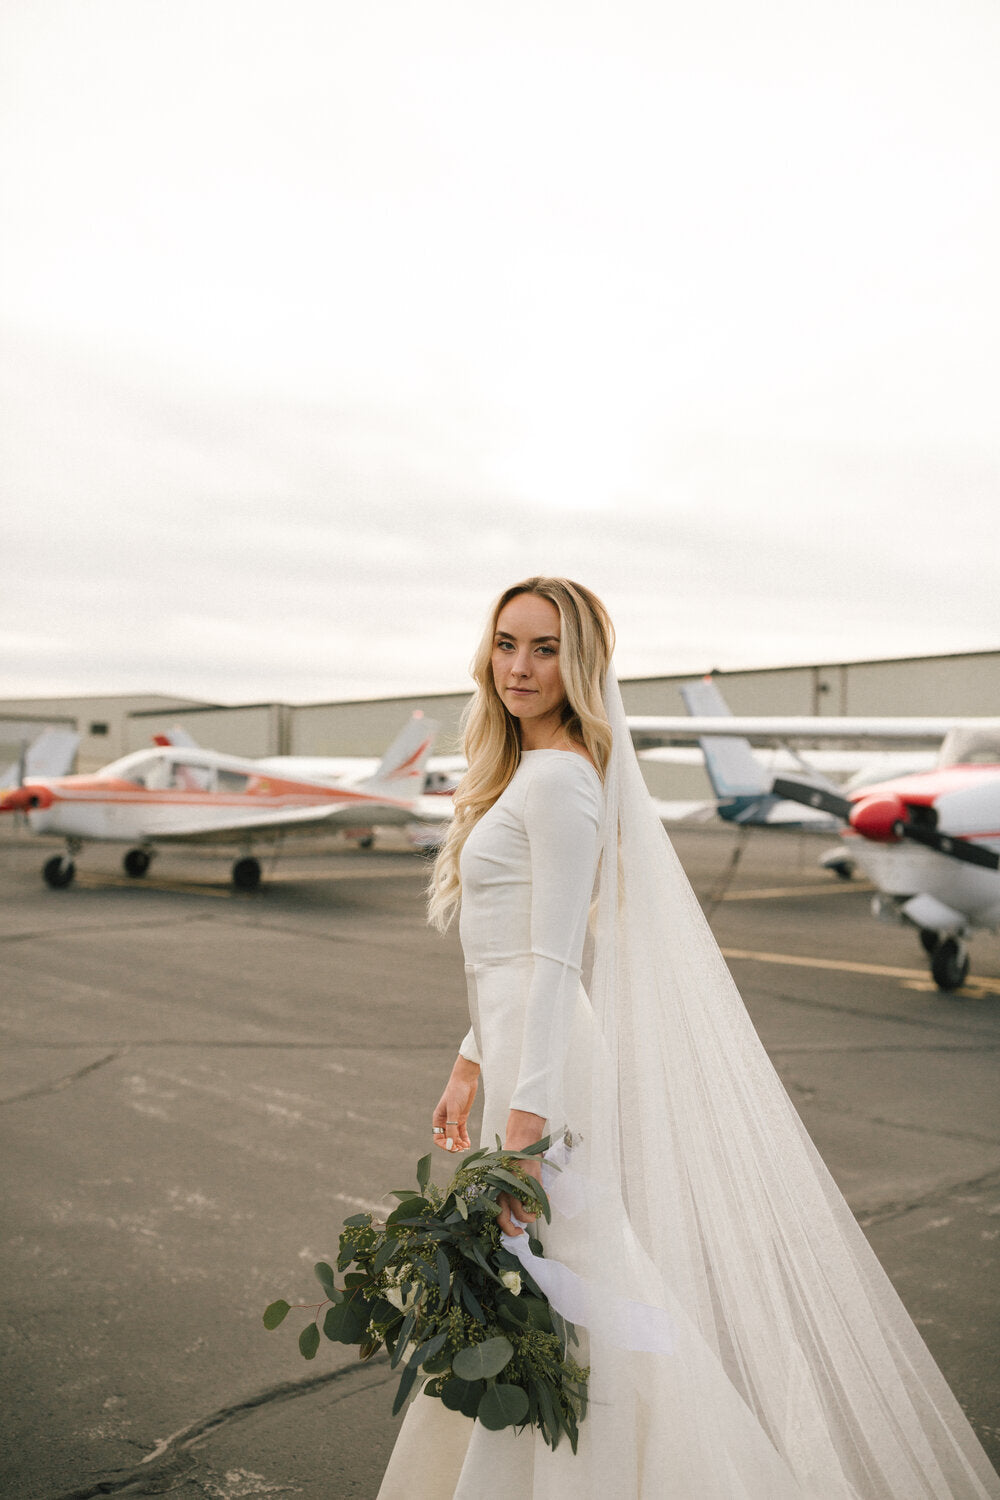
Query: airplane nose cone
24,798
878,818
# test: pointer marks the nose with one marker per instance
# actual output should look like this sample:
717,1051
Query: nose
521,663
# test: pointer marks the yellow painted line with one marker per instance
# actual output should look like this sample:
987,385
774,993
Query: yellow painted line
769,893
849,966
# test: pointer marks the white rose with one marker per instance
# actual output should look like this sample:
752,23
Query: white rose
512,1281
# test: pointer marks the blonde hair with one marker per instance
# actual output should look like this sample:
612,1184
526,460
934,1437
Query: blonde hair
491,736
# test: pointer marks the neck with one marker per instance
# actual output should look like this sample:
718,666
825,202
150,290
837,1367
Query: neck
543,734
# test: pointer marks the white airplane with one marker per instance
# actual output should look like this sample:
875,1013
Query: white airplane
929,840
183,794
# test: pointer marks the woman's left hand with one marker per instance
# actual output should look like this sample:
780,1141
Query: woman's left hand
523,1130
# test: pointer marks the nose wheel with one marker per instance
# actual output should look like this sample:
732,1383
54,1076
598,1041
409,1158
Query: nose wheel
950,964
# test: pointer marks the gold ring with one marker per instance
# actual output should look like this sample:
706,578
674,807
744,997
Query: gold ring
451,1122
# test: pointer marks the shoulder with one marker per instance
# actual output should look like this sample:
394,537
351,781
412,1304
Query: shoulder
563,778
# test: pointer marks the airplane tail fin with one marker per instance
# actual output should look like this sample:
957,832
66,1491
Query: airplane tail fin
403,768
179,737
50,754
737,777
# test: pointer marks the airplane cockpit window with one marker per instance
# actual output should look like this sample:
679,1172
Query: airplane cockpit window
963,746
231,781
140,771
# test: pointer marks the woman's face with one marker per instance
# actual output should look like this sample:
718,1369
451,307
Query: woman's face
526,662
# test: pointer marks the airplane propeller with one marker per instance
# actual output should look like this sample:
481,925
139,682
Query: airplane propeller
884,817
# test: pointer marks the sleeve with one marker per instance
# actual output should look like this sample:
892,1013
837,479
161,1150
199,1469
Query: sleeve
468,1049
561,820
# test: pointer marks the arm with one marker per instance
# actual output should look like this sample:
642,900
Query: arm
562,820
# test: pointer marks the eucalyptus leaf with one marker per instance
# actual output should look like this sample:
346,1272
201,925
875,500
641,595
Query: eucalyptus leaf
461,1206
472,1303
405,1387
384,1256
443,1274
346,1322
483,1361
324,1275
424,1172
403,1337
408,1209
276,1313
357,1221
428,1350
503,1406
309,1341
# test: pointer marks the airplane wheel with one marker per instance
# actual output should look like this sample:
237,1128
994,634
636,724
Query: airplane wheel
246,874
929,940
136,863
950,964
58,871
367,842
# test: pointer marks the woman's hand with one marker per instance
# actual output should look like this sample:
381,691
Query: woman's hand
523,1130
450,1119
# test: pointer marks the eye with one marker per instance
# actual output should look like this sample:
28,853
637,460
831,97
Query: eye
503,646
547,650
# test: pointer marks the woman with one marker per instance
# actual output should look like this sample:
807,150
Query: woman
742,1339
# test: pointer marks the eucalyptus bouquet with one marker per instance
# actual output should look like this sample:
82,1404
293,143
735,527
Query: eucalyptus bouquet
434,1284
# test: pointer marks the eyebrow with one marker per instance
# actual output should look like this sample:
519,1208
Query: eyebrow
538,641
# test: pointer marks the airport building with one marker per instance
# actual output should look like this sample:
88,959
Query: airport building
961,684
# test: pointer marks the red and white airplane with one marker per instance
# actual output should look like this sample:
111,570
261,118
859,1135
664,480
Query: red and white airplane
929,841
182,794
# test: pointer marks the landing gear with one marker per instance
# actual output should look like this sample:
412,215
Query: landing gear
367,842
950,963
58,871
136,862
929,941
246,873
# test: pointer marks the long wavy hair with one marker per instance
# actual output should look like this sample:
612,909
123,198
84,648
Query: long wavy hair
491,735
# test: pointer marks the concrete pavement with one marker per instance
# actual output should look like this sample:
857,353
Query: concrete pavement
198,1086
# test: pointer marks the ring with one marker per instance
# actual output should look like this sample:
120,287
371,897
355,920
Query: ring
451,1122
437,1130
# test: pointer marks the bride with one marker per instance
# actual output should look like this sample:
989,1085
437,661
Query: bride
743,1341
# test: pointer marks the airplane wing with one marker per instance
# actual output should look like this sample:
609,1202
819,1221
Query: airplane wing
889,733
224,824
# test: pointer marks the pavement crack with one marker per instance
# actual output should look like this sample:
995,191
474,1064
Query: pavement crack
173,1458
896,1210
41,1089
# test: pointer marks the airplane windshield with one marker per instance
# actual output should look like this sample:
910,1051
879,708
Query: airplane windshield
962,746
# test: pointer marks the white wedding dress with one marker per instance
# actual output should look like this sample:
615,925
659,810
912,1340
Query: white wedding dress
676,1412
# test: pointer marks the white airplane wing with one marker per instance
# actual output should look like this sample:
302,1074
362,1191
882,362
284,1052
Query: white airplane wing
225,824
889,733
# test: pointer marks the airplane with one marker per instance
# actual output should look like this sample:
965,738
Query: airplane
184,794
928,840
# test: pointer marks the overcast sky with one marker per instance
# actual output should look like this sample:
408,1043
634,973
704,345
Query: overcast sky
324,321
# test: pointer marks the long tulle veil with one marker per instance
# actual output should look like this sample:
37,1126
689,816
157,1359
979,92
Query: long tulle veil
770,1280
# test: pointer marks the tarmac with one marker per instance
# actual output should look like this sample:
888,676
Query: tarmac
199,1085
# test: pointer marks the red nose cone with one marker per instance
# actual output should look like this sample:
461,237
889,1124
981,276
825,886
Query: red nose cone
24,798
877,817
